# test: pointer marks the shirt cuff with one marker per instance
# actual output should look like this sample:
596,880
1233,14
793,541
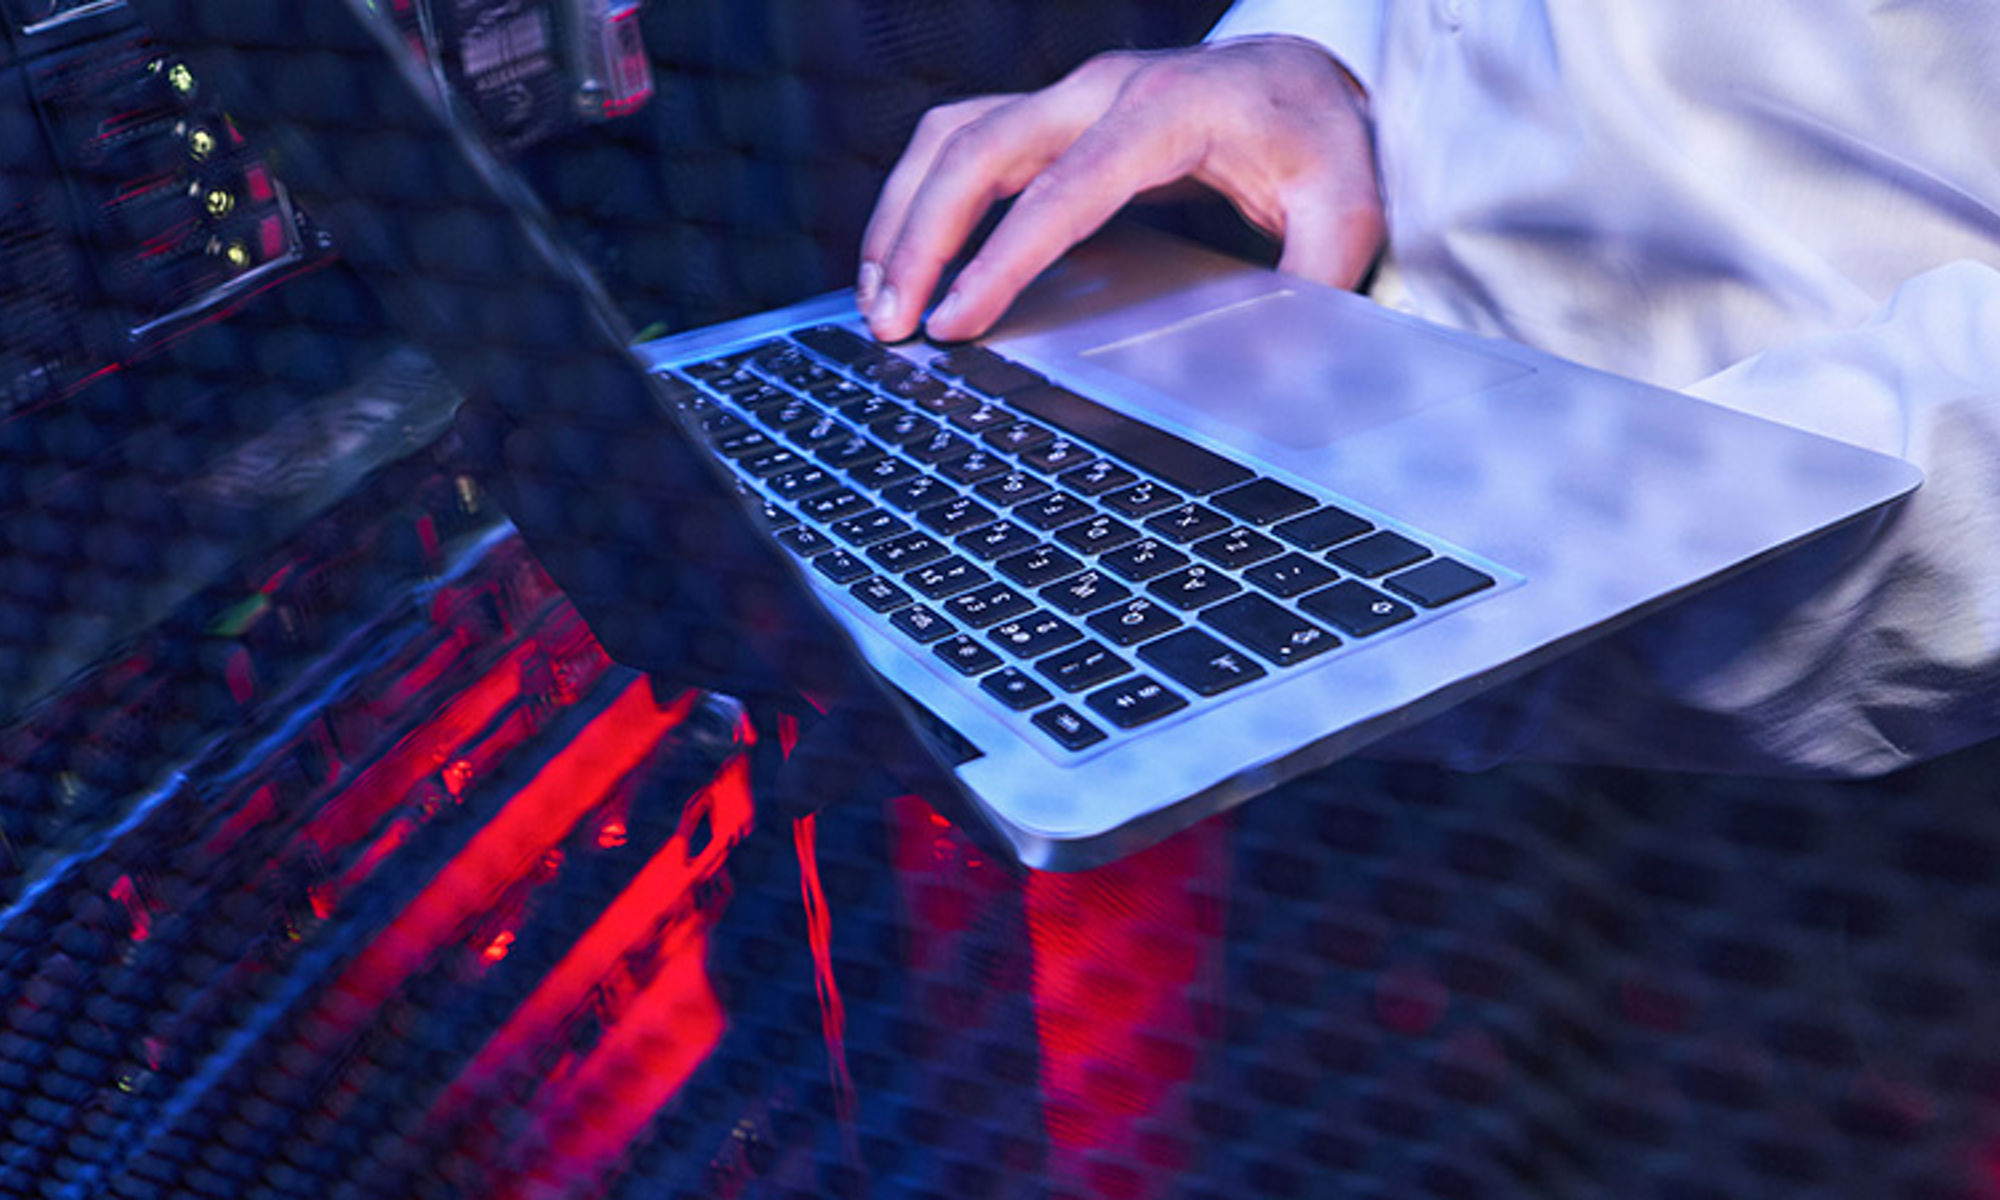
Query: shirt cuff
1351,30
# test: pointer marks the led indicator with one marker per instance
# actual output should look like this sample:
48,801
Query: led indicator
219,203
201,144
181,78
238,255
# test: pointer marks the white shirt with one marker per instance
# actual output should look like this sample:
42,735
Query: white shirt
1791,207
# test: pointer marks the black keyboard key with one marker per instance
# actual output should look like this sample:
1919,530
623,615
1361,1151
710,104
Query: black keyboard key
955,515
821,432
998,540
833,505
1058,455
919,493
940,447
1133,702
717,425
1015,487
1237,549
1188,522
840,393
804,481
981,418
1134,621
1140,499
1085,593
985,370
1263,501
1033,635
1043,564
775,517
1015,688
1328,526
965,655
1071,729
908,552
769,462
849,453
884,473
1291,575
1143,559
746,441
983,606
902,428
1278,634
710,370
946,577
802,541
976,467
946,402
1181,463
916,386
1096,477
879,594
921,624
795,413
1200,663
762,398
1054,511
840,566
1097,535
1019,437
865,529
866,408
1356,609
1193,587
1083,665
883,368
1439,582
1378,554
840,345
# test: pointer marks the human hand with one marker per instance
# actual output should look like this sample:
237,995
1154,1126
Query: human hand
1272,123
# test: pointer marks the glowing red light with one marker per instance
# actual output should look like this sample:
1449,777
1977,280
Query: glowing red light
497,948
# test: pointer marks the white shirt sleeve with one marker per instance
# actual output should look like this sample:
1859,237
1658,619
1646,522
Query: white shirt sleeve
1351,30
1866,651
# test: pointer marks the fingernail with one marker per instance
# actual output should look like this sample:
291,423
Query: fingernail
946,310
882,313
865,284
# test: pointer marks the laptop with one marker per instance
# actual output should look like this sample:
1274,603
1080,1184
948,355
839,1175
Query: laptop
1178,530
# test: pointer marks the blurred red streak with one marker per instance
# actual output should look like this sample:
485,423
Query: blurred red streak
1125,957
390,780
591,1106
568,786
643,916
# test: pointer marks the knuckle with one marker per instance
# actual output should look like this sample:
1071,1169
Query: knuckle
1162,83
967,147
939,123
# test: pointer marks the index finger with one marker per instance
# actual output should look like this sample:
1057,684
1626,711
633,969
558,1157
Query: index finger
994,154
892,203
1131,149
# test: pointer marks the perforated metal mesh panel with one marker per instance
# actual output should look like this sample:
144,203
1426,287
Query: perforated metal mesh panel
340,860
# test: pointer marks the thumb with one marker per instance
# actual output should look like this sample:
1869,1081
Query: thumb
1331,243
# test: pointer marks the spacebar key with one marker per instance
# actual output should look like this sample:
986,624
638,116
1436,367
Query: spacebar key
1176,460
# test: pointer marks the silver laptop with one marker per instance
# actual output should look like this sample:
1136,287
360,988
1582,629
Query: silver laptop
1183,528
1179,530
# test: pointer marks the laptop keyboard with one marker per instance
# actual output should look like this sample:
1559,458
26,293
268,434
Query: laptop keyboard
1085,573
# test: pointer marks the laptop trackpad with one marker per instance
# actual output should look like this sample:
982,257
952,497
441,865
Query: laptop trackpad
1300,370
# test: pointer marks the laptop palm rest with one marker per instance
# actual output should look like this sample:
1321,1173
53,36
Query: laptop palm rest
1266,366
